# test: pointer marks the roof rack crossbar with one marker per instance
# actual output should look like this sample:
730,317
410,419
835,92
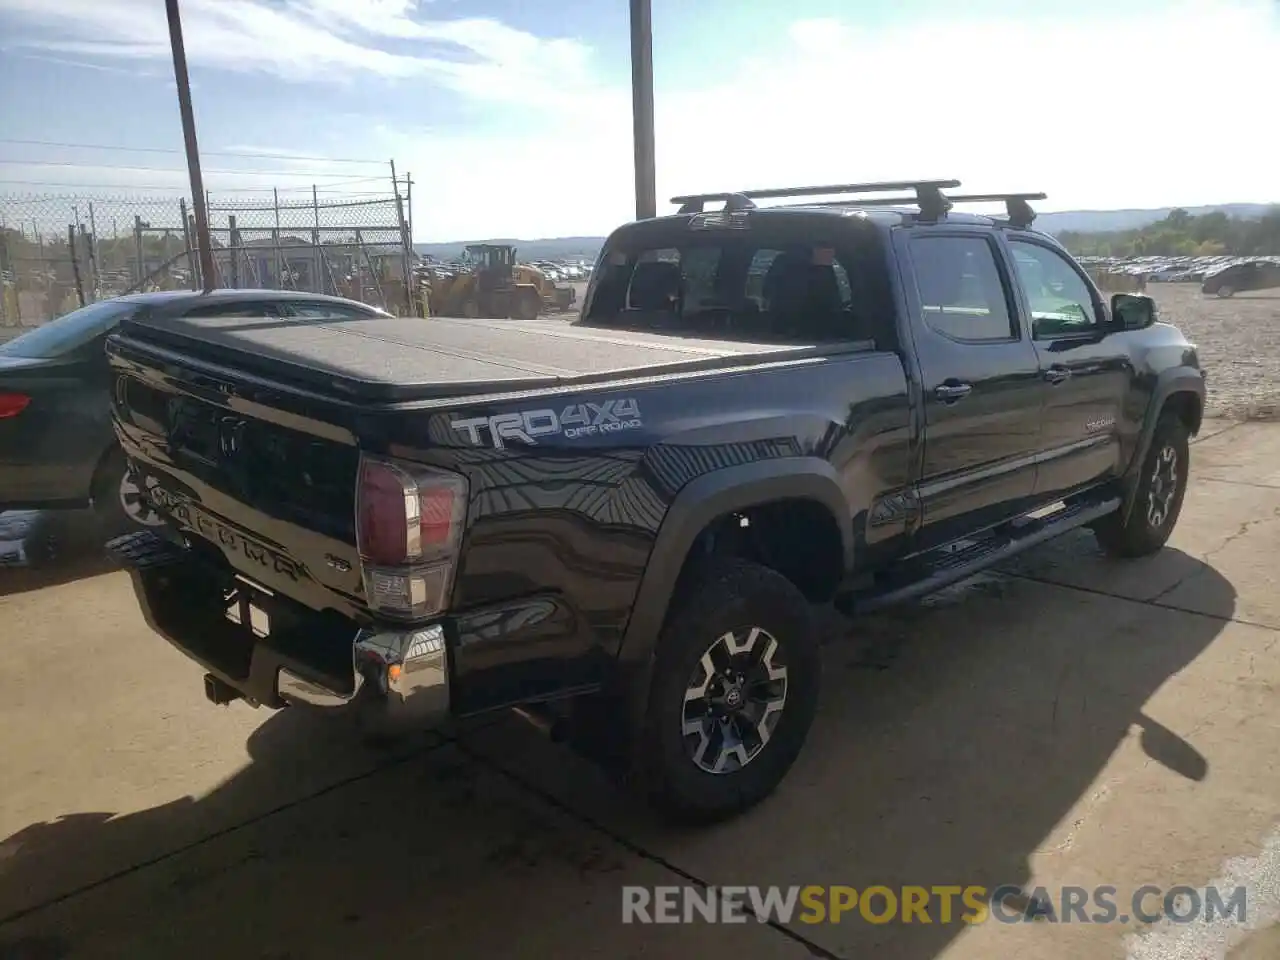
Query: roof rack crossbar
868,202
930,199
927,193
1019,210
1016,205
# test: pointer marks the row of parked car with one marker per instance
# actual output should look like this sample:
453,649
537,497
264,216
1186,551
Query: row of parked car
1219,276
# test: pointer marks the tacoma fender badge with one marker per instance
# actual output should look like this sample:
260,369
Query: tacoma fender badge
573,422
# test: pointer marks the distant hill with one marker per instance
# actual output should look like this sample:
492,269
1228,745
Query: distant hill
1112,221
1079,221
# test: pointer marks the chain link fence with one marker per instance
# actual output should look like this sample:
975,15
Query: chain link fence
59,252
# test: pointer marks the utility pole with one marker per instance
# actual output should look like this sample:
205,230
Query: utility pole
642,108
183,83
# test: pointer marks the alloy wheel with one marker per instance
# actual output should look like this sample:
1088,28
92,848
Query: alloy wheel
135,505
1163,487
734,700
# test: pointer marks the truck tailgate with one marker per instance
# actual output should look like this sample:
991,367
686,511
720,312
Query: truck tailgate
271,489
407,358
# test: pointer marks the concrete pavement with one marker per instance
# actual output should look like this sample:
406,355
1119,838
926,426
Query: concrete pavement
1066,721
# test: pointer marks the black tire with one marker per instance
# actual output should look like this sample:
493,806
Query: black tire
1162,484
729,598
1226,290
528,305
119,505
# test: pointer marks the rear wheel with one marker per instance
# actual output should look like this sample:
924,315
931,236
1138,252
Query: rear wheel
734,691
1162,485
1226,290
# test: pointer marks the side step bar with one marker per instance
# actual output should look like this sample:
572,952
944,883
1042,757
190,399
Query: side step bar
931,572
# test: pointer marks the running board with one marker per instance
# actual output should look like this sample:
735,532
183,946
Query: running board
932,571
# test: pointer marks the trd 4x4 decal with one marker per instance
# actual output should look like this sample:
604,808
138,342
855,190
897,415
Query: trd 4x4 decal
574,421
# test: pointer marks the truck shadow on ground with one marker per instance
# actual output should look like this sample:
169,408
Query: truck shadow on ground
953,739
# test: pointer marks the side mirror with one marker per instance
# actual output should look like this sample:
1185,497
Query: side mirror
1132,311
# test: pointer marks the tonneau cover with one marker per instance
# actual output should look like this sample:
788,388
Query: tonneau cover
403,358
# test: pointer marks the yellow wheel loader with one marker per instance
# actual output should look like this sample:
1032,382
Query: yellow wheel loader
490,289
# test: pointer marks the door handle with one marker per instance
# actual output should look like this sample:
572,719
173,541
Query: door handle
1057,374
951,392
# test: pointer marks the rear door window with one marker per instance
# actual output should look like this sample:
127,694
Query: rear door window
962,295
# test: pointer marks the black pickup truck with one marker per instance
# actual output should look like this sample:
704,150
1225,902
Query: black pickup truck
618,526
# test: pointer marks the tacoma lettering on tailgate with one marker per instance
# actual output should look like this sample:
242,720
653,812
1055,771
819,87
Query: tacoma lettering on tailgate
228,538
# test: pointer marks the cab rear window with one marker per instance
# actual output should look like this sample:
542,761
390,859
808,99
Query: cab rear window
733,285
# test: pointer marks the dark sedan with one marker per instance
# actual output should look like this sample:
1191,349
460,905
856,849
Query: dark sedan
1250,275
57,447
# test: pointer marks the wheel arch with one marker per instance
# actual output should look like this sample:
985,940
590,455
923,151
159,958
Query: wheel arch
110,455
1180,391
699,507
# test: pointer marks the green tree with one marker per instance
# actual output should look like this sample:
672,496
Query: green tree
1183,234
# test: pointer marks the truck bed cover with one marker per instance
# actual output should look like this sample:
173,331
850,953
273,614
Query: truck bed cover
407,358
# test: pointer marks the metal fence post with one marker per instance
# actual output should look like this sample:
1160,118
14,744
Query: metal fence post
192,266
275,237
75,262
191,230
4,271
408,200
93,252
137,245
406,243
86,240
233,244
318,277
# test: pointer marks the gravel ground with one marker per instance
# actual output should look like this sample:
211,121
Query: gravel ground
1239,341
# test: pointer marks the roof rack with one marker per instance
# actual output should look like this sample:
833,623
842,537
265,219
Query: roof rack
928,194
1016,205
933,203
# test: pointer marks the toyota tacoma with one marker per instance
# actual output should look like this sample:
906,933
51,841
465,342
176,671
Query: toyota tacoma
619,526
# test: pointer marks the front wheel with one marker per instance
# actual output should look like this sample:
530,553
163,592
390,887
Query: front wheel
119,503
734,691
528,306
1162,484
1226,290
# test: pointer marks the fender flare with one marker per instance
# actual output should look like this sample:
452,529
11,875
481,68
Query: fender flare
1170,382
697,504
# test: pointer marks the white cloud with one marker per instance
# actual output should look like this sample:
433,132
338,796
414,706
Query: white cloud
1122,110
312,40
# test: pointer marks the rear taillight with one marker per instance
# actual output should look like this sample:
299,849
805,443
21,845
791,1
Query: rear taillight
409,522
12,404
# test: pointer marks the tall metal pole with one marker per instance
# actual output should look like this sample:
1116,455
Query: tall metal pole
183,83
642,108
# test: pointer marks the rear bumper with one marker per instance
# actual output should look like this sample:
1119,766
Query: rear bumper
274,652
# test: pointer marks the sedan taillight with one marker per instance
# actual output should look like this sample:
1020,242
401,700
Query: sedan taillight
409,521
12,404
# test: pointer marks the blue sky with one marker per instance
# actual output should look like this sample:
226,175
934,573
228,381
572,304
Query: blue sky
514,117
